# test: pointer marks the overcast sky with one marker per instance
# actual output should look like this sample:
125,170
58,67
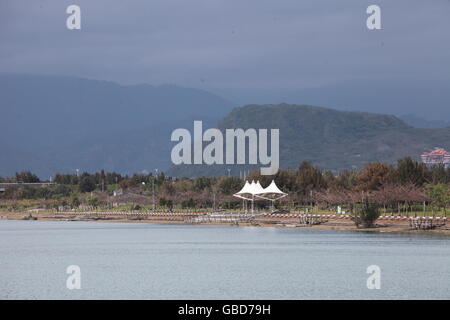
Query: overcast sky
247,50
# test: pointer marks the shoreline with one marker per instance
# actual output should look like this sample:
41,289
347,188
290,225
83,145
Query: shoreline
400,227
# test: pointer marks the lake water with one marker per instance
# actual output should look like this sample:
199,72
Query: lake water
149,261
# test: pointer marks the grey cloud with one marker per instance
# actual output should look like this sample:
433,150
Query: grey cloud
229,44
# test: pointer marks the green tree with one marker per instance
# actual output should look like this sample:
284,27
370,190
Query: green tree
188,203
366,215
410,171
346,180
230,185
439,195
309,178
92,200
162,202
201,184
74,202
86,184
439,175
26,177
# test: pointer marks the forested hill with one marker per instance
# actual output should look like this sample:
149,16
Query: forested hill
54,124
329,138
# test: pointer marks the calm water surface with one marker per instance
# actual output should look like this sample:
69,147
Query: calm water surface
147,261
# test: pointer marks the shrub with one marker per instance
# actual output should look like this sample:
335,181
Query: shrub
366,215
188,203
92,200
75,202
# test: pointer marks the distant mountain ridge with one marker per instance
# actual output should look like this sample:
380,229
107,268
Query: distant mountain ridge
418,122
51,123
331,139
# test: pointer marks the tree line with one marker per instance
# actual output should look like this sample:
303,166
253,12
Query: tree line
406,186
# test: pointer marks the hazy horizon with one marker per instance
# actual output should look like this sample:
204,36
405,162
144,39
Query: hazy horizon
309,52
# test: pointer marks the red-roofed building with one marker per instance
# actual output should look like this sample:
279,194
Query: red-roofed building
437,156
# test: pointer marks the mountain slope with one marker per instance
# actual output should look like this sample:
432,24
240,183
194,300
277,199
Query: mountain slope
329,138
65,123
418,122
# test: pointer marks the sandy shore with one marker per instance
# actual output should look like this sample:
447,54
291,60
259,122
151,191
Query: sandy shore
384,226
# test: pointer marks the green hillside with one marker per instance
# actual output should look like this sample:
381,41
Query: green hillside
52,124
329,138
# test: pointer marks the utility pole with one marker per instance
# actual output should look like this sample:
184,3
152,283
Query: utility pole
153,192
153,187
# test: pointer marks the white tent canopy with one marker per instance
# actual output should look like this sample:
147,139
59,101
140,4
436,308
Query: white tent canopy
257,189
250,190
272,192
246,192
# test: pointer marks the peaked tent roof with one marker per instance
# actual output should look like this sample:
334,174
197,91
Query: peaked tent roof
272,192
246,192
273,188
245,189
257,188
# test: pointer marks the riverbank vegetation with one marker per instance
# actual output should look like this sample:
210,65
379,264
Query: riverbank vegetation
407,188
